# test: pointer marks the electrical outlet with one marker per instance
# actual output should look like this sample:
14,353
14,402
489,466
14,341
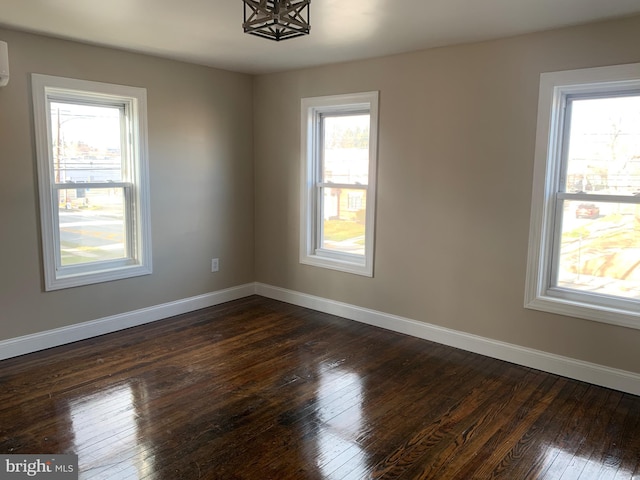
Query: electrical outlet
215,265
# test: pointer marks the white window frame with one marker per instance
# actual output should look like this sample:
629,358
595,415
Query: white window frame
310,213
135,184
540,294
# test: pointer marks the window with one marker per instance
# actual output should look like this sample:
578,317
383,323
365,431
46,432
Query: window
339,152
92,167
584,249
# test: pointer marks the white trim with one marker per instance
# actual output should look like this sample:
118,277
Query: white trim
540,294
580,370
14,347
46,88
617,379
311,109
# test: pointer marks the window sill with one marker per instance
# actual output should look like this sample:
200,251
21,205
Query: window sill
354,267
77,280
624,317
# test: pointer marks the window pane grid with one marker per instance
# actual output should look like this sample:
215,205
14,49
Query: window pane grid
339,148
92,169
90,151
342,186
584,242
596,246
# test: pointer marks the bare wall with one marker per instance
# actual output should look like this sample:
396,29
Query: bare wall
456,148
201,171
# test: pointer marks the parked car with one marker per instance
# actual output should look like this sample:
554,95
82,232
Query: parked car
587,210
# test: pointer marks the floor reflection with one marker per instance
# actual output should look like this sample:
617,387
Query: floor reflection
105,426
559,463
340,416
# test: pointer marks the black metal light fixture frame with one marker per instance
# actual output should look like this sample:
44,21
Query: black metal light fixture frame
276,19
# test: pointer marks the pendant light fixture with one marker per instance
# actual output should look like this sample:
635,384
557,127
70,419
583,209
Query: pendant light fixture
276,19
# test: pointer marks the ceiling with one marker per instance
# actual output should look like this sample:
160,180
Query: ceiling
209,32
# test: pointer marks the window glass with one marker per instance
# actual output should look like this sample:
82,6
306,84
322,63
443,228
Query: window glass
599,242
86,143
344,227
604,146
339,140
600,248
584,242
92,225
93,180
346,149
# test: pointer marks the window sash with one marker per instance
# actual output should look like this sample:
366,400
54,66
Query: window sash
131,249
131,103
560,199
125,107
319,222
560,211
319,160
557,90
314,111
562,196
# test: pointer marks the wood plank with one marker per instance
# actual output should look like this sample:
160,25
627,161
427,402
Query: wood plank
540,439
259,389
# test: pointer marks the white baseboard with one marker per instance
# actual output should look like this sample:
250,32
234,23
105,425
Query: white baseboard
81,331
622,380
616,379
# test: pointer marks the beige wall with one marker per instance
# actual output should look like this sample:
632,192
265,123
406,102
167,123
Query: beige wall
201,170
456,148
457,130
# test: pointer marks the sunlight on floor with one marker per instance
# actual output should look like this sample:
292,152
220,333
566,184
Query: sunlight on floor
105,425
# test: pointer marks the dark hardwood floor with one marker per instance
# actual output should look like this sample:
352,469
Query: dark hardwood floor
258,389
